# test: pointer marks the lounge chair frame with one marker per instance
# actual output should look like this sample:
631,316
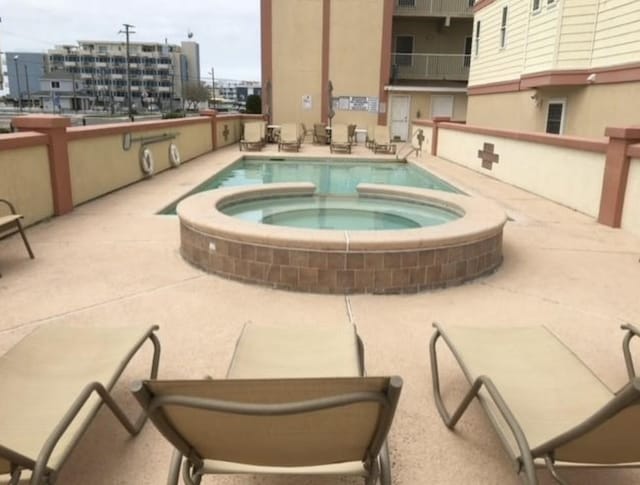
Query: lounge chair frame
289,144
376,462
41,474
253,144
526,463
14,226
340,144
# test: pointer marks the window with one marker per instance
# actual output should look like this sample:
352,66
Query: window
555,116
55,84
407,3
404,50
536,5
467,52
471,2
551,2
503,28
477,37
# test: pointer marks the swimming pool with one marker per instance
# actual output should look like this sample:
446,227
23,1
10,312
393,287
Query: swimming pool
330,176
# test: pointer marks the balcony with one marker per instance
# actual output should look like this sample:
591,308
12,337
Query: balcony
433,8
414,67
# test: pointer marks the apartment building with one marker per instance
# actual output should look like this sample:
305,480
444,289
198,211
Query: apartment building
555,66
237,90
366,62
159,72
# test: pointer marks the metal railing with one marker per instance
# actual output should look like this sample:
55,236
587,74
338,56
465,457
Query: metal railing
434,8
453,67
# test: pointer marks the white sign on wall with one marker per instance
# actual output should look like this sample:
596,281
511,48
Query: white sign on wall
307,102
356,103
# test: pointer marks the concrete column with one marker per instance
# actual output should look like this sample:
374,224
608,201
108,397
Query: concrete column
55,127
213,114
616,171
434,135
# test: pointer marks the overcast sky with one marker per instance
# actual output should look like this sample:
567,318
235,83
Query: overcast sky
228,31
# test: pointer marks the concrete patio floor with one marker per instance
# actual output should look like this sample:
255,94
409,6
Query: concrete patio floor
112,261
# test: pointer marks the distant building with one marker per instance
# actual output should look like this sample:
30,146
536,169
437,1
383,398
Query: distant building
237,91
564,67
58,93
30,66
159,72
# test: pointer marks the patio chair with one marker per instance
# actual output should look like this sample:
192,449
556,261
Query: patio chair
546,405
381,140
320,136
368,142
340,139
289,137
53,383
352,133
10,224
252,139
294,402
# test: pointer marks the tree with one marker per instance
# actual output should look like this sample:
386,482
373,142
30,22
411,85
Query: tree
195,93
254,104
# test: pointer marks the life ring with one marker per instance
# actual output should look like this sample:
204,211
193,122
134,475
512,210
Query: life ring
146,162
174,155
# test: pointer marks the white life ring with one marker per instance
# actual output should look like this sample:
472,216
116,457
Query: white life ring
174,155
146,162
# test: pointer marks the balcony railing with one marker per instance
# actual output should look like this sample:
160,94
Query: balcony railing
451,67
434,8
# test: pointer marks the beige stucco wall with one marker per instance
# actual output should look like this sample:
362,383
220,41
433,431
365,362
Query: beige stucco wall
355,41
297,60
429,36
589,110
568,176
233,131
421,105
26,182
631,211
100,165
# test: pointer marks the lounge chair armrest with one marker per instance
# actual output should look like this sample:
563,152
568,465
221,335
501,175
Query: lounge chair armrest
10,205
450,420
632,331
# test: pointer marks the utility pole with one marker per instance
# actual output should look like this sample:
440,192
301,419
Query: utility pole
213,89
15,60
26,77
127,31
74,106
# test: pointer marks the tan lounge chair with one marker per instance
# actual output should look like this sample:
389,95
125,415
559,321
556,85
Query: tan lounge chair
546,405
294,402
340,139
53,383
253,136
381,141
289,137
10,224
320,136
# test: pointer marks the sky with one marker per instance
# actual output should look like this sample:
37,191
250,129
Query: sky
228,31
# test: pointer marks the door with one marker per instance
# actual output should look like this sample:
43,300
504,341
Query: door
442,106
400,117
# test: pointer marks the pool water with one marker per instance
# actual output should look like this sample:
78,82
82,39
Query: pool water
331,176
340,213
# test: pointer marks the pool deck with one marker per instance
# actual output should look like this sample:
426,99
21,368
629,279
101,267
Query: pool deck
112,261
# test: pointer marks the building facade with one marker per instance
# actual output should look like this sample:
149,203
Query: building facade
24,70
366,62
555,66
159,73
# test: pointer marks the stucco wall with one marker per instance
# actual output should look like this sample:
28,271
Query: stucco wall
631,212
421,102
355,41
589,109
231,126
429,36
565,175
99,164
297,60
25,181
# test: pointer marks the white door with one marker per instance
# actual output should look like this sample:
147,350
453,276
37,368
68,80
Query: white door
442,106
400,117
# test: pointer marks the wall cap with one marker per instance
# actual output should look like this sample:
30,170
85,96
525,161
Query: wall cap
23,139
35,122
626,133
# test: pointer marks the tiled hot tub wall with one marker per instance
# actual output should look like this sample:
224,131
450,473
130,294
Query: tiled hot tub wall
340,271
331,261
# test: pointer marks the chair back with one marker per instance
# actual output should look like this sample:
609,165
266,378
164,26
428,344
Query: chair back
340,134
274,422
381,136
253,132
289,133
